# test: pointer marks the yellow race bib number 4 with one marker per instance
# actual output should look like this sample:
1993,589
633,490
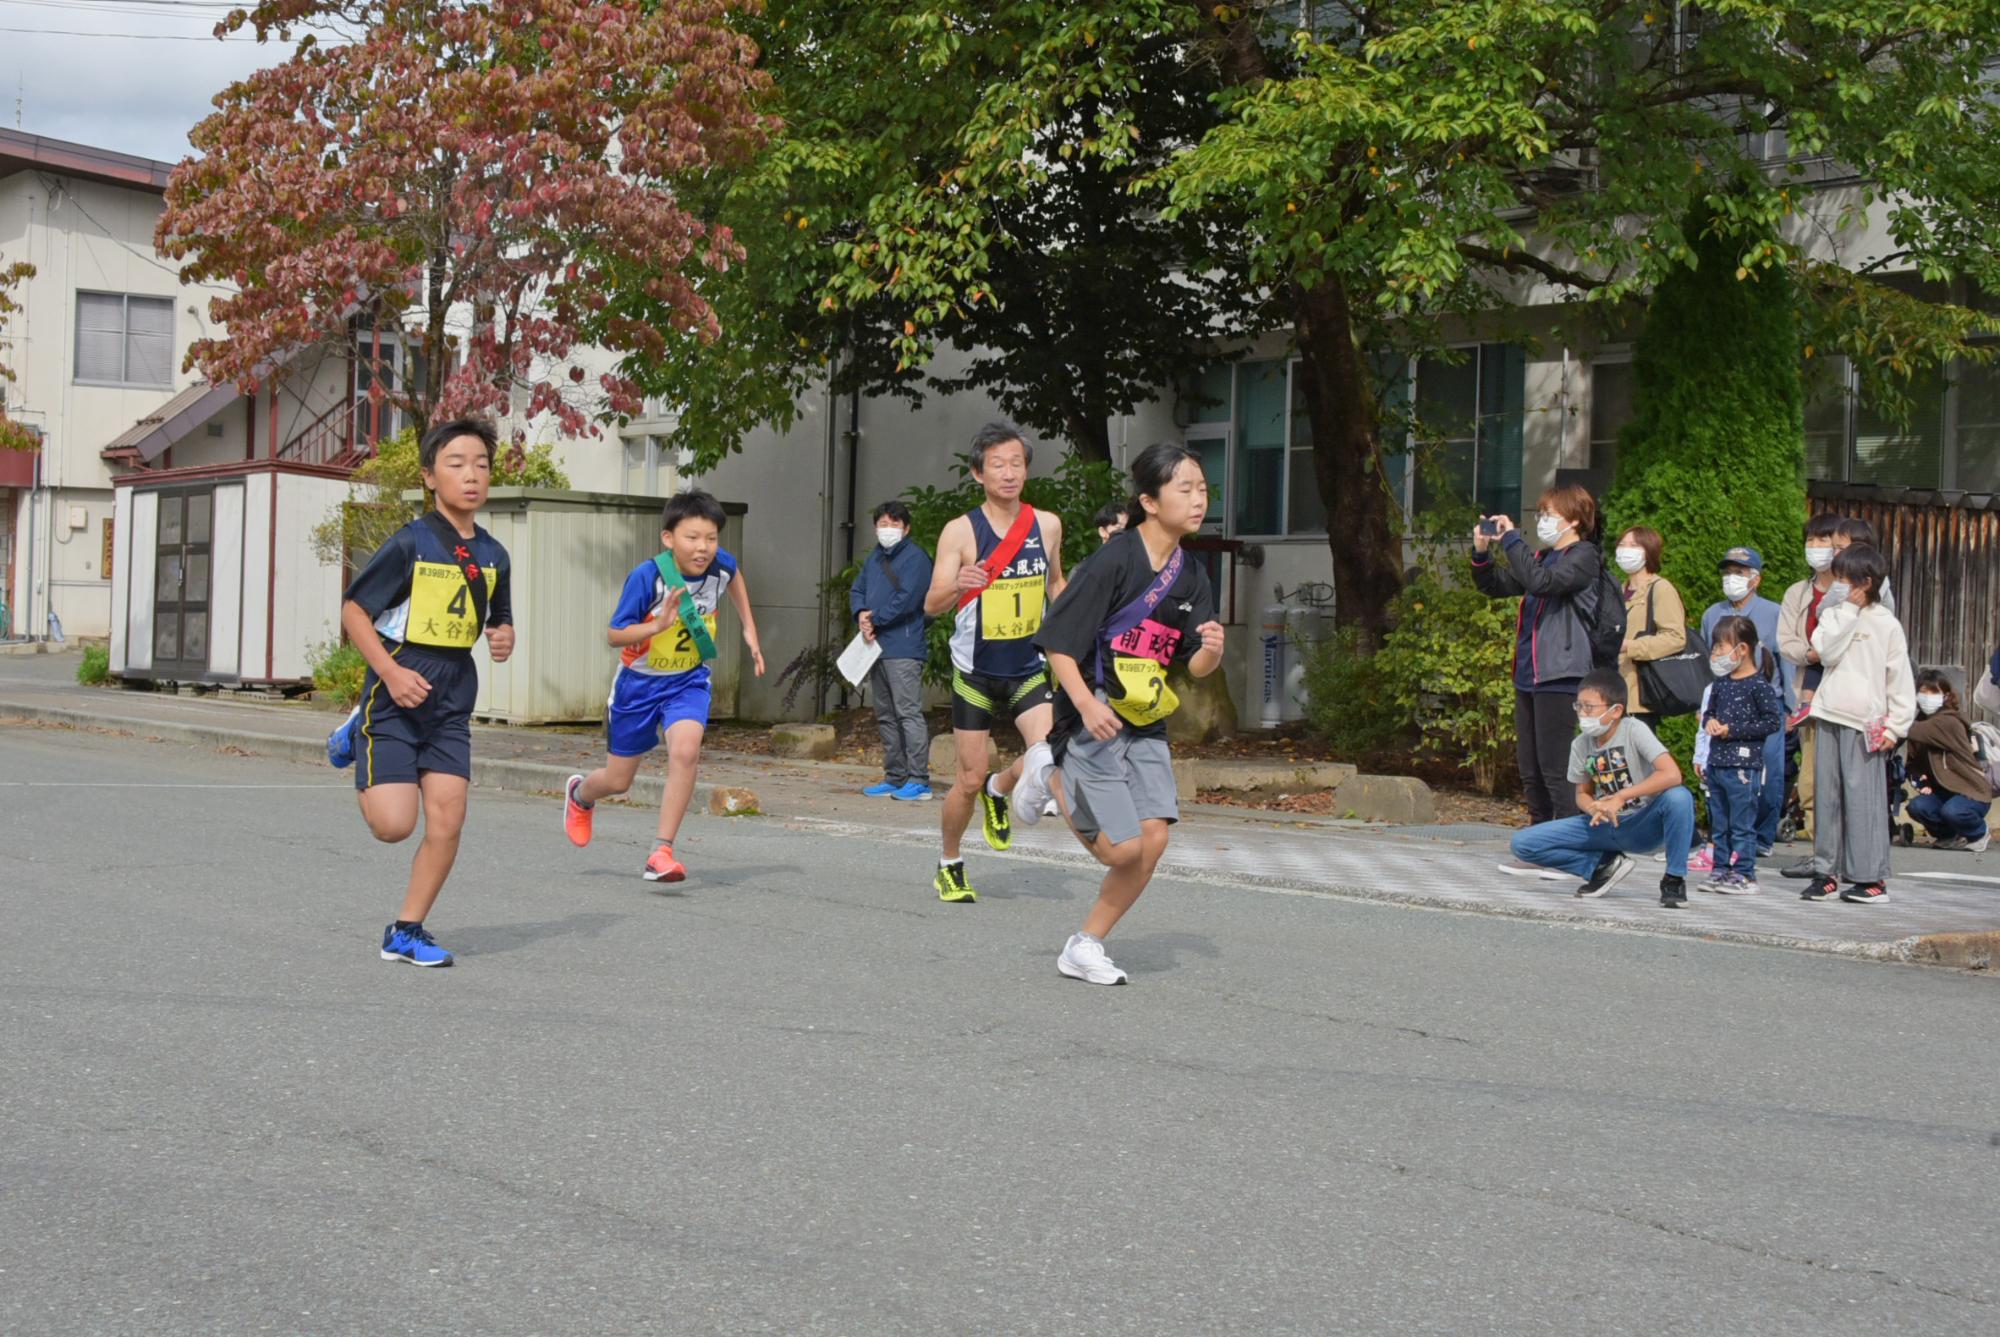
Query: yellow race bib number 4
441,611
1011,609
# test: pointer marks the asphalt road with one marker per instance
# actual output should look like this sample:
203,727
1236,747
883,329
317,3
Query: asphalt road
799,1095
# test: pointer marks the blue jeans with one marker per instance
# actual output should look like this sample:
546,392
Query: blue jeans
1735,799
1771,798
1947,815
1574,846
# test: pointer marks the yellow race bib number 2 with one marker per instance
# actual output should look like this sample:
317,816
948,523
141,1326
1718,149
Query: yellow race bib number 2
673,650
441,611
1011,609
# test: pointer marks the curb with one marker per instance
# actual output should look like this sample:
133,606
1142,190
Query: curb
1958,951
492,773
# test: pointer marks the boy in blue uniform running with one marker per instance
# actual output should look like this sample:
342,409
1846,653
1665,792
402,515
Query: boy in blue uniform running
415,612
664,629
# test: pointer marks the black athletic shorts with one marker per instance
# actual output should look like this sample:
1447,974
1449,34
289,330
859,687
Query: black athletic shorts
976,698
394,746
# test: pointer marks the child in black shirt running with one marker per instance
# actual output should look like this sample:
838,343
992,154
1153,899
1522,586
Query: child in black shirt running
1744,708
1137,607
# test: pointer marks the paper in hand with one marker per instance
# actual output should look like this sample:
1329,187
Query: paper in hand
858,659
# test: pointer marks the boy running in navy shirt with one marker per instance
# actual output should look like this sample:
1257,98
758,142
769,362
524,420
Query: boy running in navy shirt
664,628
415,612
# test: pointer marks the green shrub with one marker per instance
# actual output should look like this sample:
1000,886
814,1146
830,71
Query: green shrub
1349,702
1449,665
378,510
1716,447
95,670
337,670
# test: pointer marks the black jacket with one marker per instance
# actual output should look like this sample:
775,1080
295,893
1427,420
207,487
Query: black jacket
1561,641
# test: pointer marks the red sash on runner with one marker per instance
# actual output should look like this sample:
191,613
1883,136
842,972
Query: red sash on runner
1003,556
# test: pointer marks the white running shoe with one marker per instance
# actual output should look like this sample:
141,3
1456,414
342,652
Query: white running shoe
1083,959
1032,793
1522,868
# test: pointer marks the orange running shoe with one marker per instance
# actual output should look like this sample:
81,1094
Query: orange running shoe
664,867
576,817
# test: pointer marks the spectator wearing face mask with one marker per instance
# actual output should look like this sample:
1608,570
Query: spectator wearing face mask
1954,793
1798,619
888,604
1742,572
1854,532
1655,615
1552,647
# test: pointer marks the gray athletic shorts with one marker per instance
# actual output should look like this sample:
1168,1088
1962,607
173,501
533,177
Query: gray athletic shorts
1112,787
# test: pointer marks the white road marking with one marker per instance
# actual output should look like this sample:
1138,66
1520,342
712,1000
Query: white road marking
147,784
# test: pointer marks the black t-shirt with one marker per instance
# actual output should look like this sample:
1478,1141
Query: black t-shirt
414,590
1112,577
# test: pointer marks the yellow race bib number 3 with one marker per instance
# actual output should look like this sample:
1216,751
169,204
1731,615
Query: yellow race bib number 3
673,650
1011,609
441,611
1147,698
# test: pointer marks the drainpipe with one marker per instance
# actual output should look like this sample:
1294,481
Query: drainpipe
825,536
853,478
34,489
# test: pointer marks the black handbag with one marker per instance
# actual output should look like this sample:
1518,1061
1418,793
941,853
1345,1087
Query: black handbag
1673,685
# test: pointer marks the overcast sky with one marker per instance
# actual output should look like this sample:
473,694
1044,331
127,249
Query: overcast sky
133,94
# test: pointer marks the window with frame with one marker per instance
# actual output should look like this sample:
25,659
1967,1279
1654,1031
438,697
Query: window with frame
1612,386
1949,441
124,340
652,465
1470,413
1247,423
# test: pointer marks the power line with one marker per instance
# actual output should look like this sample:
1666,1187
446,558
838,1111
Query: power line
134,36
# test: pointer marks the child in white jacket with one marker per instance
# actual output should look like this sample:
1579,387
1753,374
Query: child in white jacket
1863,709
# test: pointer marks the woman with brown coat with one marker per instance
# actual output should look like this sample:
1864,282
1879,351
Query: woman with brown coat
1650,600
1954,793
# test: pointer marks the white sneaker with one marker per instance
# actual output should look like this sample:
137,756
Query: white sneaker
1979,846
1521,868
1032,793
1084,959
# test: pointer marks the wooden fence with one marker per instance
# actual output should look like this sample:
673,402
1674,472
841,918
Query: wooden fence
1944,568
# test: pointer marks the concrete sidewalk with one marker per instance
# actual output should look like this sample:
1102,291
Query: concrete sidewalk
1946,907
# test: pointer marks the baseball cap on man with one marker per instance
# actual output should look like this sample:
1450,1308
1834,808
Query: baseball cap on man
1749,557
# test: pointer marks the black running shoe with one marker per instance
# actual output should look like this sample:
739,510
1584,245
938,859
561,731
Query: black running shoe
1867,893
1802,870
1820,889
1673,893
1610,869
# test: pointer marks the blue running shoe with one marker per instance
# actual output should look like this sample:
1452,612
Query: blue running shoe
340,743
883,790
914,792
414,945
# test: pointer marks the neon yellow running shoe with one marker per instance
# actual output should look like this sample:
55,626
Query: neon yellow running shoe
951,885
996,823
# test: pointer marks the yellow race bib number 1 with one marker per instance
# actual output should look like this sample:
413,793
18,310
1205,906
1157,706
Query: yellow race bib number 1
441,611
1011,609
673,650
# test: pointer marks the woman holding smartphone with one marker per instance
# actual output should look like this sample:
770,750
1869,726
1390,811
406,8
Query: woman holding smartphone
1551,640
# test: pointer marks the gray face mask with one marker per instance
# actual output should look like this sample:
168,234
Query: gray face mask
1836,593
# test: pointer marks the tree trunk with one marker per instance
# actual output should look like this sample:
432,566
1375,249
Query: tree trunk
1340,402
1090,437
436,342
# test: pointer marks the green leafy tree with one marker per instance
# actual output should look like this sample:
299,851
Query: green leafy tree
1083,304
13,436
1375,170
381,504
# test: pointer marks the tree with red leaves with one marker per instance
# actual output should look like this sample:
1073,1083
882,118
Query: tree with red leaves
475,174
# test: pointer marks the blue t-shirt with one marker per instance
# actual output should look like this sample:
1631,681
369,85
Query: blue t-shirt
671,654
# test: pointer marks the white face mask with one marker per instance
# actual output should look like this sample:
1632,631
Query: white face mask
1930,702
1819,559
1631,560
1722,665
889,535
1836,593
1593,726
1549,528
1735,588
